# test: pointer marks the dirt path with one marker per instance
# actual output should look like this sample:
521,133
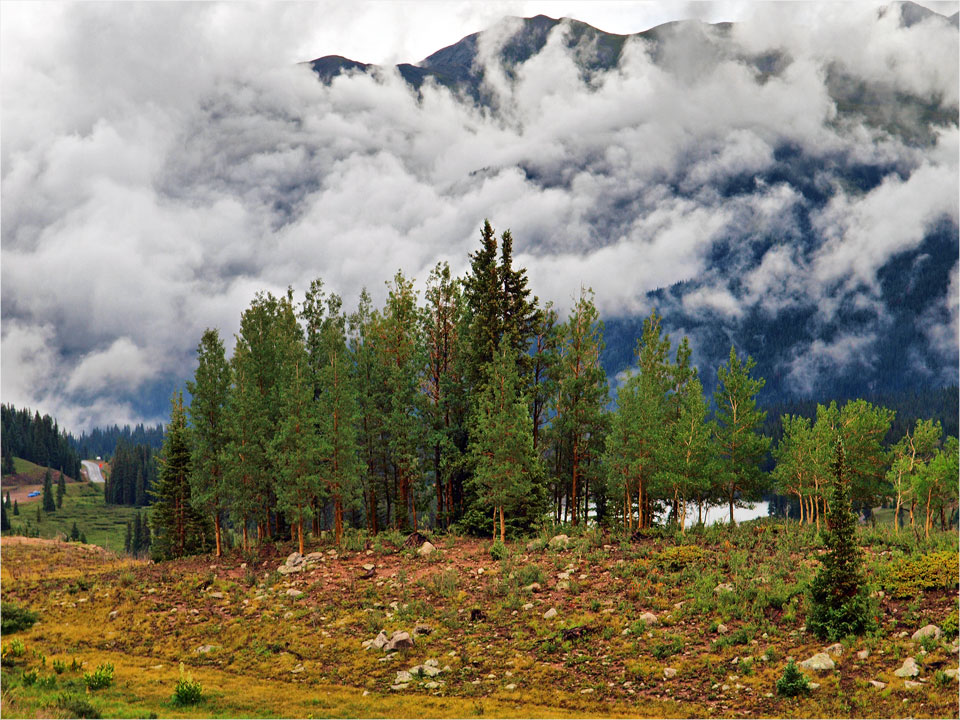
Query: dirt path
20,492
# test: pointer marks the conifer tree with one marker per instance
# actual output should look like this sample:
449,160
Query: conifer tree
210,391
61,490
4,520
740,444
6,503
128,538
74,532
506,467
178,528
135,534
839,602
16,508
49,504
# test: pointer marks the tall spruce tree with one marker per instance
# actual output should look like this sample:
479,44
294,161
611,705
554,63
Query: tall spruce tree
6,503
507,469
61,490
740,443
4,520
49,504
179,529
210,392
839,599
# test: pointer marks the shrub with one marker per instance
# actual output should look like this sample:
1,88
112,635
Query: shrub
927,572
792,682
100,678
29,677
529,574
59,666
47,682
677,558
76,706
187,691
13,650
14,618
498,551
950,624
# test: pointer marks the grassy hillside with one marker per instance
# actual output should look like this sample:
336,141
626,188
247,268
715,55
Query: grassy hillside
104,525
265,644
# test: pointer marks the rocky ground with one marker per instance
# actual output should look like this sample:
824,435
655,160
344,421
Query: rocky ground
701,625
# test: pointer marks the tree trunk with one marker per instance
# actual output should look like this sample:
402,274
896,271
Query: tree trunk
246,544
730,497
926,524
896,514
300,530
502,531
576,460
913,504
216,526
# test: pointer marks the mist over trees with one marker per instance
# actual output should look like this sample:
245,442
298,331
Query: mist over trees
477,409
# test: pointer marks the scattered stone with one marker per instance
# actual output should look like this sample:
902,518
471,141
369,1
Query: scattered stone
294,559
422,629
559,541
586,691
927,631
432,685
563,585
288,570
217,595
836,650
204,649
432,662
398,641
912,685
293,592
878,685
821,662
724,687
288,615
909,669
625,631
649,619
528,606
243,566
533,587
297,669
369,566
813,685
723,587
314,557
113,614
863,654
425,670
952,673
379,641
511,686
400,686
331,553
550,614
156,667
403,677
722,629
669,672
428,548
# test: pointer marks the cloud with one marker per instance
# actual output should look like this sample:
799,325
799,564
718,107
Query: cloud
830,358
155,179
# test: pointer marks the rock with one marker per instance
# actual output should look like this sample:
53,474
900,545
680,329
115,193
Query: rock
528,606
723,587
432,662
927,631
379,641
511,686
563,585
398,641
649,619
288,614
425,670
113,614
821,662
204,649
550,614
952,673
287,570
403,677
813,685
314,557
294,559
216,595
422,629
863,654
912,685
297,669
836,650
369,566
878,685
427,548
559,541
293,592
909,669
669,672
722,629
400,686
432,685
533,587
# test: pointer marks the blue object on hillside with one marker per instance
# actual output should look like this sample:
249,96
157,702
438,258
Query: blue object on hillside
35,493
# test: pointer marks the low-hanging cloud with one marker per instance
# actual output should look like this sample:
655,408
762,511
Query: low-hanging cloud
154,180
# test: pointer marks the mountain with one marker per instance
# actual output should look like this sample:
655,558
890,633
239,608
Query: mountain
877,335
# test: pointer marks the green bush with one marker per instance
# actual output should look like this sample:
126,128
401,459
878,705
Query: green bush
677,558
76,706
950,624
13,650
59,666
529,574
100,678
792,682
29,677
47,682
928,572
187,691
498,551
14,618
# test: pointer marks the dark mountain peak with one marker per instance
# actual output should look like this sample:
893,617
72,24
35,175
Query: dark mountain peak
329,66
910,13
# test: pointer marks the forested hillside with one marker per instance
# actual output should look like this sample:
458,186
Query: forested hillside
26,435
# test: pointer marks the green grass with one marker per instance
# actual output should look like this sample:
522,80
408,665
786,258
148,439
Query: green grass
104,525
31,470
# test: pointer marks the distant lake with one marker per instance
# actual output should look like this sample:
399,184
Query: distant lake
721,513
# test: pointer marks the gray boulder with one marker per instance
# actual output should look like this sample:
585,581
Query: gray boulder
927,631
836,650
294,559
550,614
821,662
649,619
398,641
559,541
428,548
908,669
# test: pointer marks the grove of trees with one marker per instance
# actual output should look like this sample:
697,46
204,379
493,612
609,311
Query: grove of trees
479,409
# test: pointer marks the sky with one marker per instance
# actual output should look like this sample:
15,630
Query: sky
162,162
